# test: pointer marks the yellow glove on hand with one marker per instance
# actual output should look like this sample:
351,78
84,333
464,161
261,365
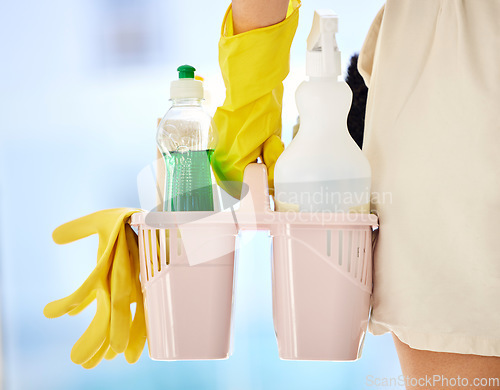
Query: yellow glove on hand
115,284
253,65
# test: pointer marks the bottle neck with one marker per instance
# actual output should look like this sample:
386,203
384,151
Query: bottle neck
322,79
326,132
186,102
323,105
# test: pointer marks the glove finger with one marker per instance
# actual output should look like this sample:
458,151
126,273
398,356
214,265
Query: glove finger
167,245
158,250
105,222
82,306
67,304
135,266
133,248
271,150
132,244
95,335
97,358
79,228
81,294
137,338
156,263
137,335
121,287
76,229
151,266
110,354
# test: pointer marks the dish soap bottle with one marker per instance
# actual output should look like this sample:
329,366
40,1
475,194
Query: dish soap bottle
323,169
186,138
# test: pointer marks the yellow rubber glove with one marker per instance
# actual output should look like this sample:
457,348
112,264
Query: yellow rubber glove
253,65
124,335
137,337
120,286
113,282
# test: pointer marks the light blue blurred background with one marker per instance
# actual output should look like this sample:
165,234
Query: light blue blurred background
82,83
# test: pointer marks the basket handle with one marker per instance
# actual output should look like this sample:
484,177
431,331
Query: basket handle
257,199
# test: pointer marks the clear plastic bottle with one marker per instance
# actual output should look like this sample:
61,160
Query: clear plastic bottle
187,138
323,169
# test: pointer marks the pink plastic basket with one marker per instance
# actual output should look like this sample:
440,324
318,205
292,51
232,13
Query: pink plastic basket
322,278
188,307
321,290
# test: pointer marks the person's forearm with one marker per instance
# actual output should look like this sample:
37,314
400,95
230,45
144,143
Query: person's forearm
252,14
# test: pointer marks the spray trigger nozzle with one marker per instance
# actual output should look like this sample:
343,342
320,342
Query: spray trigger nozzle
323,55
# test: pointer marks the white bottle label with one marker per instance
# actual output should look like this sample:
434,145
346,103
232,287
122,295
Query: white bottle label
344,195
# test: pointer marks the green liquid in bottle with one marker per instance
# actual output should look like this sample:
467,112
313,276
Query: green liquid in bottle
188,185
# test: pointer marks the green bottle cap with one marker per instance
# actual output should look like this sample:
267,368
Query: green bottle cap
186,72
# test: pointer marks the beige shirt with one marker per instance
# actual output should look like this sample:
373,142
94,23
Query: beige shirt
432,137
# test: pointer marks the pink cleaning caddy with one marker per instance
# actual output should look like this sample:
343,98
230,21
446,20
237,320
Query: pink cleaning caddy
188,307
321,269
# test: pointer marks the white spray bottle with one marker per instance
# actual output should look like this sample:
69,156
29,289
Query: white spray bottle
323,169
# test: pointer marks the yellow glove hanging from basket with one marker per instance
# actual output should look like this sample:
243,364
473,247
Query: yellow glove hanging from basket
253,65
114,283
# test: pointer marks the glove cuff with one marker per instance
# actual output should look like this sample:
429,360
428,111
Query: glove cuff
255,61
